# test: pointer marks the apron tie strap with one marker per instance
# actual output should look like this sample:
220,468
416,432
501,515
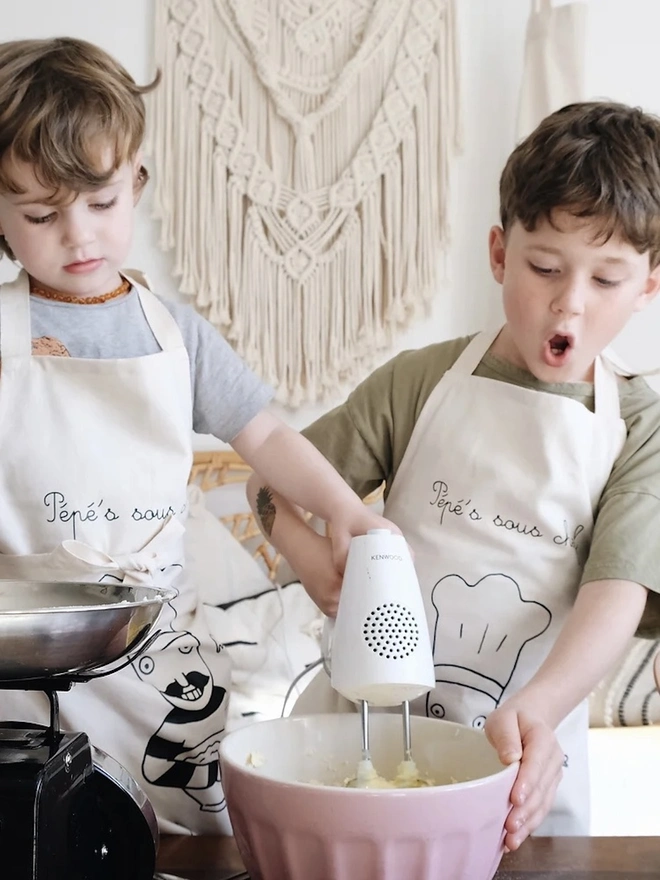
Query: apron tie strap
138,568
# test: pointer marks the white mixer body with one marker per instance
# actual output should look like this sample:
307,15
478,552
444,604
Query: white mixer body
380,645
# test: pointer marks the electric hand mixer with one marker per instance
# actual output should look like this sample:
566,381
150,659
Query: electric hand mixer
378,650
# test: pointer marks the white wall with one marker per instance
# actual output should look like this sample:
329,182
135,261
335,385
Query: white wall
621,64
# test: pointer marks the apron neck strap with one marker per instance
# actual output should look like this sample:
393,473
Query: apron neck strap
15,328
606,392
473,354
163,326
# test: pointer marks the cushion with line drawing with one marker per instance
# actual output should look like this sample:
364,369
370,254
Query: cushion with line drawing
628,696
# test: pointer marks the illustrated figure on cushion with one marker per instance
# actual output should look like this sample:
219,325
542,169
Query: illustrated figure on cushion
476,652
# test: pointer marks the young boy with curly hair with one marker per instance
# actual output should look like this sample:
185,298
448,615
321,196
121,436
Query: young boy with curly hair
102,384
522,465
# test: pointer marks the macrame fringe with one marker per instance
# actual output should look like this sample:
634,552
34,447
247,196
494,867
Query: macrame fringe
307,216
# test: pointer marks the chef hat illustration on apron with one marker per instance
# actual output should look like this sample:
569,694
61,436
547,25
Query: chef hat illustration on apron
481,631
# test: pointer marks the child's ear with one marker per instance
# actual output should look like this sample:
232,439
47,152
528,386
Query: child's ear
140,177
651,289
497,252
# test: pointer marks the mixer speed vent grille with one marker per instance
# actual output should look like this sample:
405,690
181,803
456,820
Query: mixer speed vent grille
391,631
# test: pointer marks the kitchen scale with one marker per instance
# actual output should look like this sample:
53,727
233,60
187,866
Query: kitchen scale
67,810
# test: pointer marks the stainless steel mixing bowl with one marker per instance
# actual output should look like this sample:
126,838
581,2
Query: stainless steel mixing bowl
56,629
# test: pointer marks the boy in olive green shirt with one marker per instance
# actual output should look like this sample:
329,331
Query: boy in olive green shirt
354,439
520,467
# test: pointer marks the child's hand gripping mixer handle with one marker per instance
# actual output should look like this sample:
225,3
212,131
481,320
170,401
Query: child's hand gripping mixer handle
378,650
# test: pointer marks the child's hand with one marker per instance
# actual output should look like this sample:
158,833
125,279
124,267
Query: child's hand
317,572
349,524
518,736
321,561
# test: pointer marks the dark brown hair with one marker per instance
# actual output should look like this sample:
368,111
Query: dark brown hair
595,160
61,101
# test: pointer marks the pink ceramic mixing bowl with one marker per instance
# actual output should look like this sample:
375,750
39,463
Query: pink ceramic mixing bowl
292,824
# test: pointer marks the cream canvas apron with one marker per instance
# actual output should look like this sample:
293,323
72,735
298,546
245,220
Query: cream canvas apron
496,495
554,61
95,461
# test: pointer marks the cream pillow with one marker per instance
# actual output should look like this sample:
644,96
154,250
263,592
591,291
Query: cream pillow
220,566
270,633
271,638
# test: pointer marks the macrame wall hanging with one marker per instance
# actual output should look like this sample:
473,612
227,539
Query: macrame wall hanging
302,155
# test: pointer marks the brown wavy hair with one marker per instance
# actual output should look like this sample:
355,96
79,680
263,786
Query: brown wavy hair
595,160
61,101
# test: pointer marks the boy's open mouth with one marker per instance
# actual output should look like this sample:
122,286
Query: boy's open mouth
557,350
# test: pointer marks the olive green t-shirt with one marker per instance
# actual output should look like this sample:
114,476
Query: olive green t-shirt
366,437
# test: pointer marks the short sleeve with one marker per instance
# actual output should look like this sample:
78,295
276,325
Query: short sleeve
226,393
355,437
625,542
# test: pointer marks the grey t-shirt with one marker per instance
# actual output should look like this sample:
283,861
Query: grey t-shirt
226,393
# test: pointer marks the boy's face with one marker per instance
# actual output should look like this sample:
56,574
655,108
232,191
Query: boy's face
77,247
566,294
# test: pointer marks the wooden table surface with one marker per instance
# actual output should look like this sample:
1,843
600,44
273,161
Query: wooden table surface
568,858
